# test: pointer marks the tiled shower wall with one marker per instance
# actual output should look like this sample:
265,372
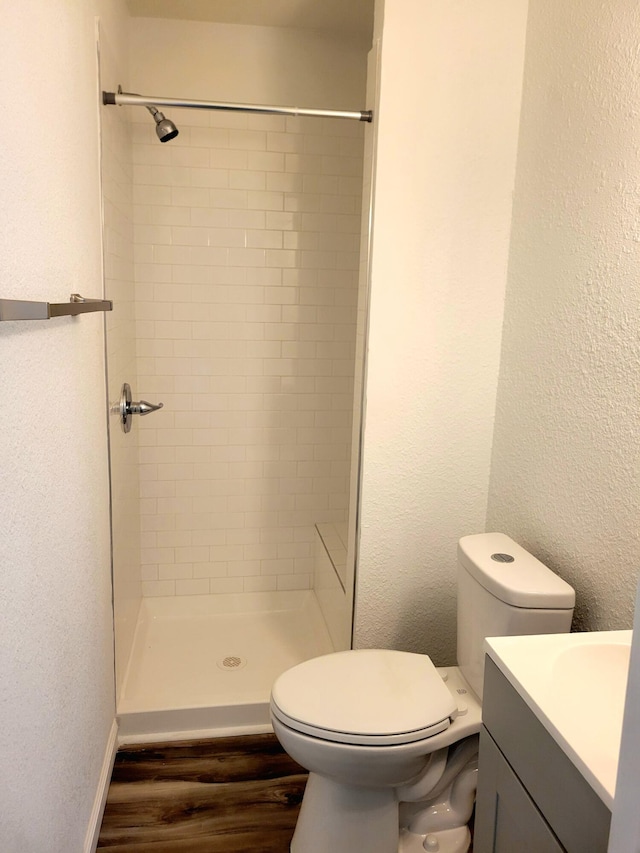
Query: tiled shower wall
247,236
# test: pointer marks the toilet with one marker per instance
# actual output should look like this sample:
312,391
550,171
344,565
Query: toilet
389,740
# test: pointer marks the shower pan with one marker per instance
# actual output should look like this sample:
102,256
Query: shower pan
233,259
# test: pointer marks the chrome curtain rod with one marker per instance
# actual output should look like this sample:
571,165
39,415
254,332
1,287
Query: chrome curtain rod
125,99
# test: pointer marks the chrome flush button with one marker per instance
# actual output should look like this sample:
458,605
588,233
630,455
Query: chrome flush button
503,558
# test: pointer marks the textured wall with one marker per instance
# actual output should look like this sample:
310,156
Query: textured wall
565,467
56,644
447,129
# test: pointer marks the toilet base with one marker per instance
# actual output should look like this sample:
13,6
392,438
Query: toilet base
336,818
456,840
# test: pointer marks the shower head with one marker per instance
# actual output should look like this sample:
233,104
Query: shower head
165,128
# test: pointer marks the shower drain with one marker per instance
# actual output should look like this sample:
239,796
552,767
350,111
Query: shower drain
232,662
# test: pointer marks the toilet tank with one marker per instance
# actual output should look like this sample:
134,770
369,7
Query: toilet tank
504,591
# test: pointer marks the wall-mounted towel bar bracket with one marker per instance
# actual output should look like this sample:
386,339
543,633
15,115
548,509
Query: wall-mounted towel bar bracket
21,309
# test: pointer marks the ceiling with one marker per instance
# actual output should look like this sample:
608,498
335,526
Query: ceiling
354,17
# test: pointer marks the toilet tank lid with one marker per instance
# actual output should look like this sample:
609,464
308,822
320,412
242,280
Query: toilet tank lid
522,581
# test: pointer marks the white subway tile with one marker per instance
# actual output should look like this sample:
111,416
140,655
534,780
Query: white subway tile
282,258
247,219
266,161
283,220
247,180
150,194
246,257
174,571
270,278
173,538
276,567
209,137
271,201
230,198
157,489
188,196
246,311
148,572
247,140
188,236
226,585
304,124
227,159
300,203
192,587
315,144
286,182
209,217
301,240
229,119
297,581
187,156
286,142
265,349
351,166
281,295
158,588
189,274
210,570
208,256
192,555
273,123
215,178
244,569
260,584
321,184
264,239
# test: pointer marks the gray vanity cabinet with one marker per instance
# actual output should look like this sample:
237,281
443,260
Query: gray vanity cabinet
531,798
507,819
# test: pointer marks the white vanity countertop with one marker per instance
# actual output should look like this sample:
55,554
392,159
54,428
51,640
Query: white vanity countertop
575,684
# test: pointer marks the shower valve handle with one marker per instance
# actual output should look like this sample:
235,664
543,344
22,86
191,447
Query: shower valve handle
128,408
143,408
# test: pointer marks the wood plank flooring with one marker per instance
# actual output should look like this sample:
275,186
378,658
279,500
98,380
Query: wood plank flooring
228,795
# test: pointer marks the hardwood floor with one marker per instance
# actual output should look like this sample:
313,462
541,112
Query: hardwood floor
228,795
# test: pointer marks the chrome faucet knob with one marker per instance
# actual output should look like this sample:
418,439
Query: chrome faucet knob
144,408
127,408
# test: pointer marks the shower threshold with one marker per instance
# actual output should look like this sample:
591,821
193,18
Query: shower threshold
204,665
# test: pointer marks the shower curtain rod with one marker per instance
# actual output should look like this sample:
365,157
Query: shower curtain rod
126,99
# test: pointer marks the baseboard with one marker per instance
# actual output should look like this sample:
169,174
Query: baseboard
93,830
129,739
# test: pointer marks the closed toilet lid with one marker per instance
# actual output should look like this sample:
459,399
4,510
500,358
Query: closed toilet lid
367,696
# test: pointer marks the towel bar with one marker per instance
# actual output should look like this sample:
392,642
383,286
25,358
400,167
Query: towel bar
22,309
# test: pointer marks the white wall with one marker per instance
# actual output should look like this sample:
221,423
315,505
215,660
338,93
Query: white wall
247,64
566,454
447,131
56,652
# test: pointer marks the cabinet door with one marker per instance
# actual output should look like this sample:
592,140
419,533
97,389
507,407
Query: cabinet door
507,819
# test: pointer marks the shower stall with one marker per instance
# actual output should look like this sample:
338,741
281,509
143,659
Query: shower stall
235,256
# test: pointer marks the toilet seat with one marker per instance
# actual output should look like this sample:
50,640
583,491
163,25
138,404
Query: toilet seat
374,697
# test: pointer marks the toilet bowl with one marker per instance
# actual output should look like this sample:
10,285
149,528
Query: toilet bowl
367,725
377,728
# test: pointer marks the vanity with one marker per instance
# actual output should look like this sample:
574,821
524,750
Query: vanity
552,721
